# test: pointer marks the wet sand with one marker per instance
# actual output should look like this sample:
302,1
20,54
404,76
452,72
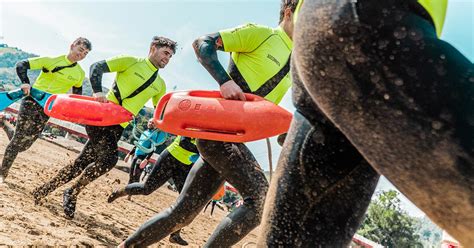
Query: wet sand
97,223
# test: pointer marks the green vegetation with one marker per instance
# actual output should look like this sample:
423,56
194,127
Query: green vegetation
387,224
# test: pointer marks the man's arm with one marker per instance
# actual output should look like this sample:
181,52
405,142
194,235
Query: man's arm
96,71
129,154
206,48
22,72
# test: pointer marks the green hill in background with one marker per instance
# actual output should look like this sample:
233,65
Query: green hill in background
9,56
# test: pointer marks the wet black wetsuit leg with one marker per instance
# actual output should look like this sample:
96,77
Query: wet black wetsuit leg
322,186
180,173
135,171
402,97
105,142
213,206
202,182
238,166
101,146
207,205
164,168
30,124
235,163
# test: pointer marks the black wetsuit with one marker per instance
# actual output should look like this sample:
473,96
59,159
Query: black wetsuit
379,71
166,167
93,161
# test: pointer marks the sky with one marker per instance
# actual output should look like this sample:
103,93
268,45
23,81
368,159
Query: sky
47,28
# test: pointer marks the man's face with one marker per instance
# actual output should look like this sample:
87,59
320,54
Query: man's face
150,124
160,56
78,52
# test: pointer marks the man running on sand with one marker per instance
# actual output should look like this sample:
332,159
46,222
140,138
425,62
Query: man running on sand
259,65
58,75
136,82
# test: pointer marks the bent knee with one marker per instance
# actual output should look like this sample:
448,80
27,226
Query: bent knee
207,147
21,143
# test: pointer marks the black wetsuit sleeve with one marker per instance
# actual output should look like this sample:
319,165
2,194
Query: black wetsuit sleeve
96,71
77,90
206,48
22,71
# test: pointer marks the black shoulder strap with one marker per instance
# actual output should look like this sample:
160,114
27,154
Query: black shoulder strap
266,87
56,69
272,83
142,87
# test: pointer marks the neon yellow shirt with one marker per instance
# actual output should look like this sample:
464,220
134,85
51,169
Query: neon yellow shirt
132,72
59,82
259,52
178,152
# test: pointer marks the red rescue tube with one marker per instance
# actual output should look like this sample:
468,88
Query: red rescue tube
206,115
85,110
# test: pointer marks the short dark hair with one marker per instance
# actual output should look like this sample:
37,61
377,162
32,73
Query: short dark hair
83,41
287,4
160,41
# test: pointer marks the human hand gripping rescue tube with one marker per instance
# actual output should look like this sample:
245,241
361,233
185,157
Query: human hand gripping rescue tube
207,115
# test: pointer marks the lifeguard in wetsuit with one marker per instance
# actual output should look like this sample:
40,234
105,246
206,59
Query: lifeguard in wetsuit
174,162
136,82
259,65
59,74
376,91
